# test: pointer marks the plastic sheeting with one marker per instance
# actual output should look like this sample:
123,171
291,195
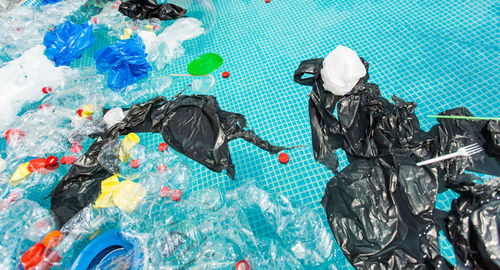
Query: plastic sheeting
148,9
126,62
67,42
193,125
381,206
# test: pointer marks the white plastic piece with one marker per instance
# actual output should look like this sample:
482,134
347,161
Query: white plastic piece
22,81
113,117
342,70
167,45
3,164
147,37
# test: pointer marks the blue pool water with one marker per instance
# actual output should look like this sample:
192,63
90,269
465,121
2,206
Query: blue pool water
441,54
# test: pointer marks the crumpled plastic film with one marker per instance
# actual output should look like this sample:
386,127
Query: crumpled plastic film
371,203
189,124
126,62
67,42
148,9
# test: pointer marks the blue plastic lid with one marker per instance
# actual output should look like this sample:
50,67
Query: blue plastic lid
111,249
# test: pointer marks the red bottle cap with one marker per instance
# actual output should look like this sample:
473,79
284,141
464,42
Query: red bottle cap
51,161
161,168
162,147
36,165
47,90
165,192
284,158
135,163
33,256
79,112
243,265
225,74
176,195
268,1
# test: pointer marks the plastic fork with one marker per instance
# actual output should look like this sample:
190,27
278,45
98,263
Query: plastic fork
465,151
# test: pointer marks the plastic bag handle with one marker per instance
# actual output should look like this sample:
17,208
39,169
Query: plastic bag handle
311,66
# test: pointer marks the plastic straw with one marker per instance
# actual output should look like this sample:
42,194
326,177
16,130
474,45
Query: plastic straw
461,117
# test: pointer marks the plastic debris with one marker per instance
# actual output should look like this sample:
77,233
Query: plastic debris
47,2
23,80
383,142
168,45
205,64
126,62
193,125
148,9
125,194
113,117
341,71
225,74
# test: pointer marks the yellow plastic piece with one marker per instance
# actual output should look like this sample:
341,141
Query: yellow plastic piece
125,195
88,110
126,145
149,27
127,32
20,174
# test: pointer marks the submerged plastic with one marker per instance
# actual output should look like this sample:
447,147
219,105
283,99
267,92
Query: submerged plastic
67,42
193,125
381,206
126,62
148,9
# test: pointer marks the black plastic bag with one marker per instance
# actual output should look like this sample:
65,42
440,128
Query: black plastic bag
473,225
148,9
381,206
193,125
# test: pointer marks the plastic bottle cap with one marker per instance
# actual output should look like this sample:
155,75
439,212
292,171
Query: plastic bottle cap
284,158
135,163
33,256
243,265
165,192
162,147
51,161
161,168
36,164
176,195
46,90
225,74
52,239
80,112
268,1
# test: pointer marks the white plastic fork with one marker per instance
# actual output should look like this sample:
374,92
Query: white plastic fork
465,151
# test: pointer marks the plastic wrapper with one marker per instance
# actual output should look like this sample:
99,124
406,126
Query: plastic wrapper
473,225
126,62
24,79
189,124
207,230
167,45
47,2
380,207
24,27
148,9
67,42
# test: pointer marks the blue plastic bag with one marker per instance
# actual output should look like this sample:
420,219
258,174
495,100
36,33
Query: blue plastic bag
126,62
46,2
67,42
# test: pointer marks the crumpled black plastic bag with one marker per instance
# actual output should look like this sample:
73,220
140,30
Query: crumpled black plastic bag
193,125
382,185
473,225
148,9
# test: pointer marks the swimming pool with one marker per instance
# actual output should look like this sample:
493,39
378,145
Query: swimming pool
441,55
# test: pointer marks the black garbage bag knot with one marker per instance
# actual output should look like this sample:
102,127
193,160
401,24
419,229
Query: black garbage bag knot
149,9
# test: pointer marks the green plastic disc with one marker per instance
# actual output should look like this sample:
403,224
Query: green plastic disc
205,64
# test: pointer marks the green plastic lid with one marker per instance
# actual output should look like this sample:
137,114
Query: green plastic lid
205,64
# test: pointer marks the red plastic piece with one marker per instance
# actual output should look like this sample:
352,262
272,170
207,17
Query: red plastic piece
135,163
176,195
52,29
162,147
51,161
33,256
268,1
79,112
94,19
76,147
14,134
47,90
36,165
52,239
165,192
243,265
68,160
161,168
225,74
284,158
